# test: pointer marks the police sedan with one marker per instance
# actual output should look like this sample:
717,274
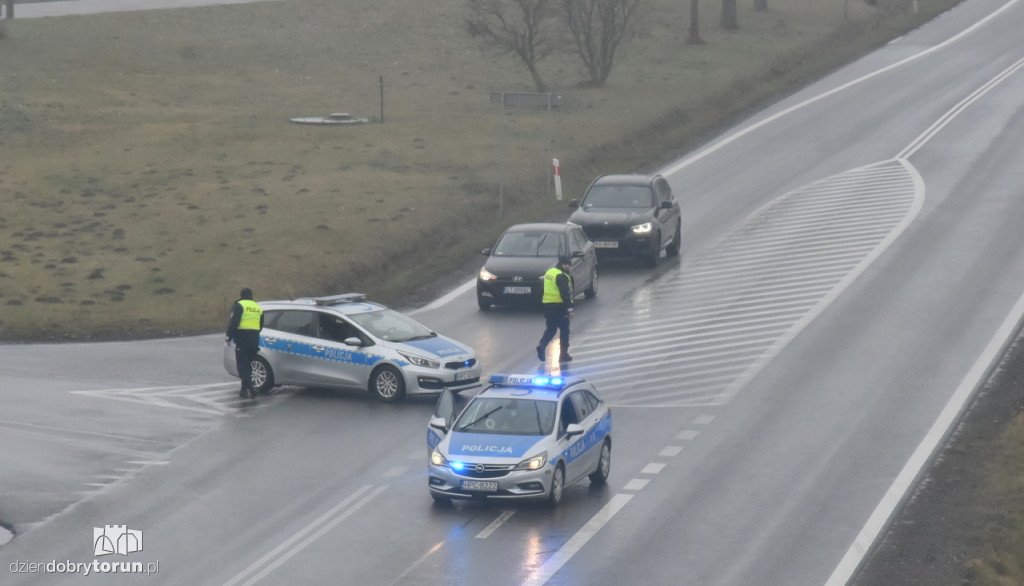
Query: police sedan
346,342
523,437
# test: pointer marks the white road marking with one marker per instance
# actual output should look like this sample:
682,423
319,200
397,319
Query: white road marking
670,451
653,468
636,484
688,434
213,399
577,541
308,534
504,516
698,336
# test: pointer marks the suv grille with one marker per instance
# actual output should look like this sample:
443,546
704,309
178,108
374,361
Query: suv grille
605,232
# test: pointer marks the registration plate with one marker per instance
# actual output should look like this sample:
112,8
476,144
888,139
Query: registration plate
606,244
466,375
518,290
481,485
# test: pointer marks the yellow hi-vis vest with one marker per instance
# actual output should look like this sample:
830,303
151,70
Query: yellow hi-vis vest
551,292
251,312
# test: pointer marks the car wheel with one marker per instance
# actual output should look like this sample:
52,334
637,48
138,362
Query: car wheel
388,384
483,303
604,465
557,486
591,291
655,253
677,242
262,376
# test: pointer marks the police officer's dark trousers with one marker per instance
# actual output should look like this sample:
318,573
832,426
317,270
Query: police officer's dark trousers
245,352
556,318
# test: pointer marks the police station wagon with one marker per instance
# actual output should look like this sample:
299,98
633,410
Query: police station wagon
523,437
346,342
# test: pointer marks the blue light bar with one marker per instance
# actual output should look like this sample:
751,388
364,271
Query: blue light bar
527,380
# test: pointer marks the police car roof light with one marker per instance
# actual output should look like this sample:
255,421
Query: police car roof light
338,299
528,380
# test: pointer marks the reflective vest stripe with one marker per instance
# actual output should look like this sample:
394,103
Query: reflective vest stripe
251,312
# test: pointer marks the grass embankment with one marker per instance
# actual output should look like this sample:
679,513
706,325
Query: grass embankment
1000,503
148,170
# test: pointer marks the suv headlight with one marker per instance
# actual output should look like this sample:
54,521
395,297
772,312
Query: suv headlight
642,228
535,463
437,459
486,275
421,361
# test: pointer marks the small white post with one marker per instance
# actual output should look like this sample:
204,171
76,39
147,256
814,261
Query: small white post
558,179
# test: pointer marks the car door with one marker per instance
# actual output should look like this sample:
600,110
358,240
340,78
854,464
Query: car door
584,259
588,442
449,405
668,218
286,342
334,362
571,447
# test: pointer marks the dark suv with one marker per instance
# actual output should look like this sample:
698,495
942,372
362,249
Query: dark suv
630,215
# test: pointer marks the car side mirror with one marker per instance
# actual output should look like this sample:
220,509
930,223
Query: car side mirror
353,341
574,429
666,205
573,204
486,252
577,254
439,423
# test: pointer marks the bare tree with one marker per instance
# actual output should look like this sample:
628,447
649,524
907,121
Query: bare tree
729,19
694,37
598,28
521,27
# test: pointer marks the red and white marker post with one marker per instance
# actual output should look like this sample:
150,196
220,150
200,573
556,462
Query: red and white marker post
558,179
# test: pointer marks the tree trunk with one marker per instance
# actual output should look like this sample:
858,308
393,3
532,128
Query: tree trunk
537,81
694,38
729,20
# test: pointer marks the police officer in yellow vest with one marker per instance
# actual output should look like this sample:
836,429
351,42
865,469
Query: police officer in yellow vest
244,329
558,309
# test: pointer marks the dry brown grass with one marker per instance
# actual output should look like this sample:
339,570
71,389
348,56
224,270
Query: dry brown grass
148,170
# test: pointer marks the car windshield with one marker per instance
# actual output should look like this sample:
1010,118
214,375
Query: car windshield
528,244
390,325
618,196
507,416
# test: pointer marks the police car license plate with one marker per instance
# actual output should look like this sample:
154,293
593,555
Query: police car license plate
518,290
606,244
466,375
481,485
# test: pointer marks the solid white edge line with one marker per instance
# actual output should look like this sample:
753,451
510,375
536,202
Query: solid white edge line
933,440
674,168
440,301
544,573
299,535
